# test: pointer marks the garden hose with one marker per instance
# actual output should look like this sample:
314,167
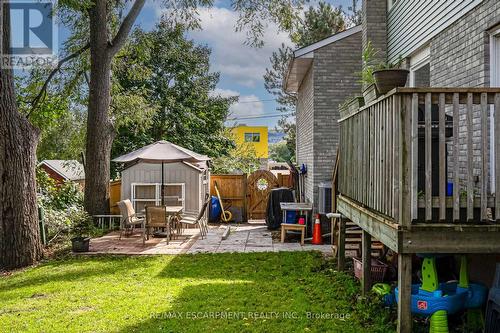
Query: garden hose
226,215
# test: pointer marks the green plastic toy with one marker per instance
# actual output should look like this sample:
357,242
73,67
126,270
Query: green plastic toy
430,283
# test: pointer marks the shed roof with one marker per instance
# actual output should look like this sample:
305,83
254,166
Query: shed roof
67,169
303,58
162,152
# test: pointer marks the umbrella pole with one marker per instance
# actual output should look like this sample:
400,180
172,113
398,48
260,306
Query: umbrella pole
162,184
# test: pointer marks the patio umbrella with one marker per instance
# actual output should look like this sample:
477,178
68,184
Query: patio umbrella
162,152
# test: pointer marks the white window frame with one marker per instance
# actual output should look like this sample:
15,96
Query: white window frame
494,82
418,60
390,4
157,198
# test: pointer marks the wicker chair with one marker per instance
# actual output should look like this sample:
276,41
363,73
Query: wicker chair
129,219
200,220
156,217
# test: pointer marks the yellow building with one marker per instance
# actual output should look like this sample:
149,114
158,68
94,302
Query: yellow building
255,136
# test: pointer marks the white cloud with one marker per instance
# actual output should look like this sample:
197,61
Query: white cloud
241,63
247,105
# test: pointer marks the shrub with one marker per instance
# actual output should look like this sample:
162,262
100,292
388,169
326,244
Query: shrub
63,207
81,223
57,196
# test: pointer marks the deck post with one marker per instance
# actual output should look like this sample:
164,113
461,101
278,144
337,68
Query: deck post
341,245
404,296
367,261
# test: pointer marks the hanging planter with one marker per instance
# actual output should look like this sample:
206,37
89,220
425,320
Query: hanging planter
388,79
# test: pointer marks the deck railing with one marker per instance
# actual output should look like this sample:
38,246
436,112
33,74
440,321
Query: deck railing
424,154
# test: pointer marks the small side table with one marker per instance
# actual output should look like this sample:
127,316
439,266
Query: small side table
293,227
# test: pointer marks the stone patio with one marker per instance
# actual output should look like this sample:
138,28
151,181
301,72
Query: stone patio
252,237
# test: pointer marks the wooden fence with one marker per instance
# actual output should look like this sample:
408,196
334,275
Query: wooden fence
233,190
115,189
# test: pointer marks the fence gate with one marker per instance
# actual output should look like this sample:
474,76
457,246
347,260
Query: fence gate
260,183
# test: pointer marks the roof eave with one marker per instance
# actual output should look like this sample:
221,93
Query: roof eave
297,70
303,57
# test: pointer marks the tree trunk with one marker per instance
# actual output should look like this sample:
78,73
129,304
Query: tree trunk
100,132
19,231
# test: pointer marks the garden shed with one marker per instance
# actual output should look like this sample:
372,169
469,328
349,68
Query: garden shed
164,173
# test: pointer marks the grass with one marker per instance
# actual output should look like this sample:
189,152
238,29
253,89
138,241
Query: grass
264,292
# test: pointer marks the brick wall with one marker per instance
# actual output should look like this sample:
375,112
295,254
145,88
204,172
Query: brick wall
332,78
336,68
460,58
305,122
374,22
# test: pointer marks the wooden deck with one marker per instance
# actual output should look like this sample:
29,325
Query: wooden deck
424,237
415,172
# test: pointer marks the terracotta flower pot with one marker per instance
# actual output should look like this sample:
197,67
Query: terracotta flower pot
388,79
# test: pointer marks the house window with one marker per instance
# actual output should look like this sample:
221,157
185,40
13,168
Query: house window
422,76
252,137
495,58
420,68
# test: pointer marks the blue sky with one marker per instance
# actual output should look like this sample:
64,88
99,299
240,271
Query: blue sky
242,67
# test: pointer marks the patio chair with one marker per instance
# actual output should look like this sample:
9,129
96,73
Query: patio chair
129,219
200,220
156,217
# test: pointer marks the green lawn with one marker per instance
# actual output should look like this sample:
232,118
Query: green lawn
263,292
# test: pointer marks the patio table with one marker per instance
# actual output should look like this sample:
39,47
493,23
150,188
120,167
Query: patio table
173,211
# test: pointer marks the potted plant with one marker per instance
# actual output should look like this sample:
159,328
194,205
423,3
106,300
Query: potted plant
370,92
351,105
389,76
81,230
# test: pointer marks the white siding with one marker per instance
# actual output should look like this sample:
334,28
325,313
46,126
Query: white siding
173,173
413,23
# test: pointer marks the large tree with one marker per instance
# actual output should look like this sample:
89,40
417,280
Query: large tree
19,234
173,74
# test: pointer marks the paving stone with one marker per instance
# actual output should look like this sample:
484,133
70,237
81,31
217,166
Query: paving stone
260,244
250,249
234,248
322,248
203,249
277,247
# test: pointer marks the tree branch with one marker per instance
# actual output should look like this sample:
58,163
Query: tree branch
41,94
120,38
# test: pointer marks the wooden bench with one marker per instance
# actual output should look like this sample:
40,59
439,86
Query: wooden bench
293,227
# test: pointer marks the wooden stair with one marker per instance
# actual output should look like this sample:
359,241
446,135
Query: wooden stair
353,242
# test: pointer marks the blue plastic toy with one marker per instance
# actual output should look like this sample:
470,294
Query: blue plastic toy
438,300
